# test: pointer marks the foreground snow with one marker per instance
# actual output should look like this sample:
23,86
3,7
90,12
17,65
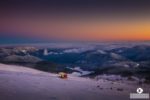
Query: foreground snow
20,83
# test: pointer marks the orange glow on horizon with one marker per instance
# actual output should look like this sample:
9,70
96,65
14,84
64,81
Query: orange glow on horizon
96,30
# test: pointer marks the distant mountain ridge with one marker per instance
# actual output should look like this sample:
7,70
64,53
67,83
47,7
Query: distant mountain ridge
131,60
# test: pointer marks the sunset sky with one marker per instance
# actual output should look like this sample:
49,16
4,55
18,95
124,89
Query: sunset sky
74,20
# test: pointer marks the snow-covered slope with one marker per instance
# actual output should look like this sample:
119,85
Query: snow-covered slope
20,83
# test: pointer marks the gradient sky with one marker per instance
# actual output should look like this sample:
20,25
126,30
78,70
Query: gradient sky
74,20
